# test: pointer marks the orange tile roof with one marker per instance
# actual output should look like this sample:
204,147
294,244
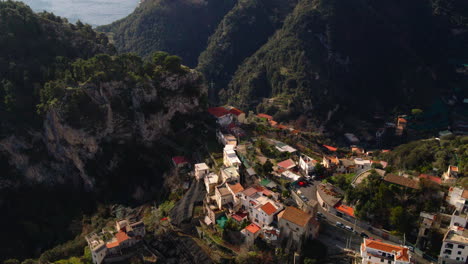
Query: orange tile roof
454,168
431,178
465,194
112,244
330,148
236,111
268,208
252,228
403,256
402,120
282,127
268,117
273,123
250,191
345,209
287,164
236,188
296,216
218,111
121,236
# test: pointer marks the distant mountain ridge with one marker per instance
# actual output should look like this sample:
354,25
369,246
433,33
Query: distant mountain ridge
315,55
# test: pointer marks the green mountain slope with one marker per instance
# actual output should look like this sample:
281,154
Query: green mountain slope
241,32
361,55
180,27
32,47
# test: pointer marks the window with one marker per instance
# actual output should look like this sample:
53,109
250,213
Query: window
389,262
447,251
382,260
457,258
461,246
449,245
459,252
369,257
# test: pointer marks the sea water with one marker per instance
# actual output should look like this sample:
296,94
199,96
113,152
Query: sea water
94,12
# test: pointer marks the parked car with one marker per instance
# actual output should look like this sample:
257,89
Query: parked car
349,228
364,235
339,224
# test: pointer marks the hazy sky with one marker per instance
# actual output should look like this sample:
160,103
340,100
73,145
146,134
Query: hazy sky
94,12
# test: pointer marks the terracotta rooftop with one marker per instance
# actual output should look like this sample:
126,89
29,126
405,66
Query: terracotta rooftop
218,111
454,168
465,194
121,236
268,208
389,248
431,178
236,111
296,216
403,181
345,209
236,188
179,160
250,191
252,228
287,164
330,148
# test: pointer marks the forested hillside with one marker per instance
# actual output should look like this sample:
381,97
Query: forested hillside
32,48
81,126
241,32
368,55
180,27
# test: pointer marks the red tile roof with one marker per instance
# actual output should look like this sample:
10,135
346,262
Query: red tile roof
236,188
465,194
238,217
431,178
402,120
268,208
218,111
179,160
121,236
250,191
454,168
389,248
112,244
330,148
403,181
287,164
273,123
282,127
296,216
268,117
236,111
252,228
345,209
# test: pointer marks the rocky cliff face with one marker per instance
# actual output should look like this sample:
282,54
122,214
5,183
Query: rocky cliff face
60,151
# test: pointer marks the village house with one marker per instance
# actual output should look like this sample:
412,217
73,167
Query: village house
201,169
211,180
329,162
373,252
458,197
116,248
226,139
230,158
281,147
401,125
286,165
179,162
223,196
251,232
328,196
307,164
296,225
236,192
261,208
362,164
238,115
427,221
357,150
451,175
454,248
345,166
230,174
270,234
222,115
